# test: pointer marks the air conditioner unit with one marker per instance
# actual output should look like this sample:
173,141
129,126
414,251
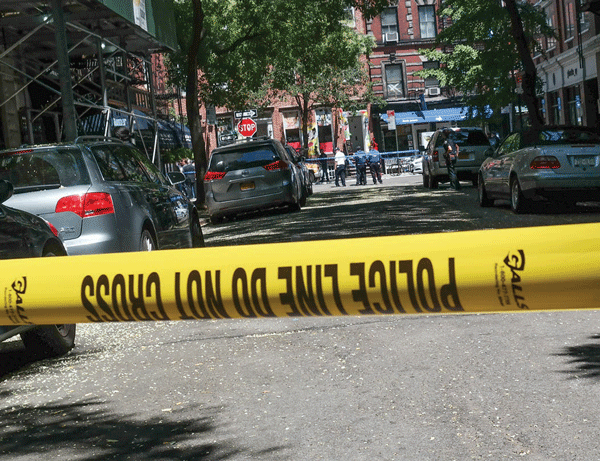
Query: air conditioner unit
435,91
391,37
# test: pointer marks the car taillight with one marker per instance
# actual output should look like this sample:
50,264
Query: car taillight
544,162
435,156
52,228
279,165
86,205
210,175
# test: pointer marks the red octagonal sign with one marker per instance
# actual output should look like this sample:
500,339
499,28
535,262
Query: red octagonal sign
247,127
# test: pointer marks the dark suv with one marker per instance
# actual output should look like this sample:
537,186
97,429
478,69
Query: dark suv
103,196
251,175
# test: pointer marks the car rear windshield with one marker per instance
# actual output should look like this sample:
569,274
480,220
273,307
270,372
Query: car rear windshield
243,158
31,170
470,138
560,136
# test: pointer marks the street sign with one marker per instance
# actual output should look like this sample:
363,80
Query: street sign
247,127
250,113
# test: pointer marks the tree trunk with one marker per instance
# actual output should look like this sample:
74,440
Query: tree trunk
192,103
530,76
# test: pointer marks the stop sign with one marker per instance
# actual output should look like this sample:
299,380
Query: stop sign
247,127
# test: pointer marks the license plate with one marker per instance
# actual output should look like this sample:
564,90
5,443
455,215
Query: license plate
584,161
247,186
463,155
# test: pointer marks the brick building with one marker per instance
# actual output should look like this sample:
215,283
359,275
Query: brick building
414,106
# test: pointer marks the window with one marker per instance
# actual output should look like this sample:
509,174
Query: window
389,23
569,21
550,41
427,21
394,81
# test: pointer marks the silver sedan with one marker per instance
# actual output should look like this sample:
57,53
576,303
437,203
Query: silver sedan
557,163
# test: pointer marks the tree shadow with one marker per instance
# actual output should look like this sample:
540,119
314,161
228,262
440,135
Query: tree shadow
585,360
87,431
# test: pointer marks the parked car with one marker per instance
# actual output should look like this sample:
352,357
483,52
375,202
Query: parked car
557,163
416,164
23,235
251,175
306,177
473,148
103,196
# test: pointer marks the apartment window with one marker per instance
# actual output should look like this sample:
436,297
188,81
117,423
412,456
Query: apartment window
427,21
394,81
550,41
584,23
569,20
389,23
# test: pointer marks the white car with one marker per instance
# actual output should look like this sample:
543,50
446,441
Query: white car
416,164
558,163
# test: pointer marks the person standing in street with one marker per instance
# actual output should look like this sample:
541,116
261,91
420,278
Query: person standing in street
451,155
360,161
189,170
324,169
375,165
340,167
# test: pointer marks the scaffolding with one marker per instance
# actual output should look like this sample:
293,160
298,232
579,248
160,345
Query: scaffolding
75,68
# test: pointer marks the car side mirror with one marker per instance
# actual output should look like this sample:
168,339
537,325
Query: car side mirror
176,177
6,190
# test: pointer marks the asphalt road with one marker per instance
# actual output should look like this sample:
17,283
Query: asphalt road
510,386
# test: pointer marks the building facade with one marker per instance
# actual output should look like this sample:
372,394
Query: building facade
414,106
568,67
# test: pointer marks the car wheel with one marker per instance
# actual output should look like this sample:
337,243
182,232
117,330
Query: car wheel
147,241
518,203
302,200
425,180
432,182
49,340
484,200
196,230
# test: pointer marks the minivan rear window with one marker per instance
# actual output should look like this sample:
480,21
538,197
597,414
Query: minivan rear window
243,158
34,170
470,138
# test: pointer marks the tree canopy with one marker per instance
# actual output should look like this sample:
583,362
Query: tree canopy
485,45
228,48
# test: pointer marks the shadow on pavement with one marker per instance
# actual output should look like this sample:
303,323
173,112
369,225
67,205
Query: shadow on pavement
585,359
87,431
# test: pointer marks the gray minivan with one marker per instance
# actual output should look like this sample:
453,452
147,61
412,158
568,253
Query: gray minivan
251,175
102,195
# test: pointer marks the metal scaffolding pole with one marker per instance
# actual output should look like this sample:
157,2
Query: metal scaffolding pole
64,72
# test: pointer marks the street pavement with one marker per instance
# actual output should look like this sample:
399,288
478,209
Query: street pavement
446,387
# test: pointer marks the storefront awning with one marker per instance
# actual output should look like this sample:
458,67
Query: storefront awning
452,114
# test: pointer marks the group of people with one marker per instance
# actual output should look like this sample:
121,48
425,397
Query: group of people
361,160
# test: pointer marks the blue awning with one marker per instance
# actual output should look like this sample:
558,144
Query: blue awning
452,114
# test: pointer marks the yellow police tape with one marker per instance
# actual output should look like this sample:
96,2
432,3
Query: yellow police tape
538,268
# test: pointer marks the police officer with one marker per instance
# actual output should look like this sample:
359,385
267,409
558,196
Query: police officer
360,161
451,155
375,165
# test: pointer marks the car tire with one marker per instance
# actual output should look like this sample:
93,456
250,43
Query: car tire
484,199
302,201
147,242
49,340
518,202
196,230
432,181
425,180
